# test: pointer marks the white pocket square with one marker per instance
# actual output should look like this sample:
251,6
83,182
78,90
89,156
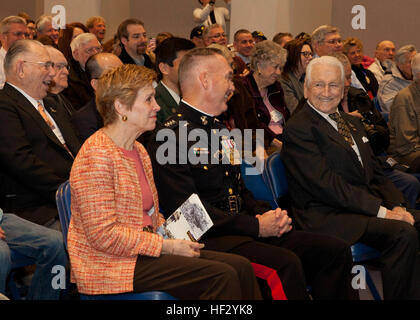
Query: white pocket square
365,140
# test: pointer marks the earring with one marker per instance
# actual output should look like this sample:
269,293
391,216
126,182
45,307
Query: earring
124,118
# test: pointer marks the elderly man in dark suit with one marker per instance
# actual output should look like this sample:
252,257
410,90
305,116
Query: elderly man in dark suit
38,144
337,185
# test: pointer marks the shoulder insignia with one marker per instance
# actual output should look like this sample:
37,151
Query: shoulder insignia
170,123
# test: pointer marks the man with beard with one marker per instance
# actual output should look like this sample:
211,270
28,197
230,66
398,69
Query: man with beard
133,38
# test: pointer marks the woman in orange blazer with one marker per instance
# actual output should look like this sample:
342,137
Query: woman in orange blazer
112,239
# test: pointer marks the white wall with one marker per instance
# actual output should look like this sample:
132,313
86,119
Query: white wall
268,16
76,10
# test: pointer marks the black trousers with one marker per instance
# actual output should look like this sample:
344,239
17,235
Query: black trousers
398,243
213,276
300,258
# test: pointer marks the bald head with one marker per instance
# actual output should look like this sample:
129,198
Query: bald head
385,50
100,63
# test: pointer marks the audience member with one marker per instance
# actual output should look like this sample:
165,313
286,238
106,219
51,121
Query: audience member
384,57
87,120
262,83
38,143
241,225
31,29
210,14
337,186
121,232
326,40
214,34
353,49
244,45
282,38
403,121
168,56
12,28
196,36
66,37
44,27
96,25
60,80
133,38
79,92
293,76
44,246
399,78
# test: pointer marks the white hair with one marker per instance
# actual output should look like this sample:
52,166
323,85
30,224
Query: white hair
325,60
81,39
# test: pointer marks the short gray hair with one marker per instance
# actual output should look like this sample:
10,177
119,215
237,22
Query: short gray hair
265,52
6,22
16,50
324,60
81,39
320,33
401,54
415,65
42,21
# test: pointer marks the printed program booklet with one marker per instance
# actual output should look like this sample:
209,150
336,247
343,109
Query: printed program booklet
189,222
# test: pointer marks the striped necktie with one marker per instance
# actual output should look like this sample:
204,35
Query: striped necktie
342,127
43,114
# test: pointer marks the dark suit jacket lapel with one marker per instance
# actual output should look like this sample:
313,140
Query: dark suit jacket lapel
63,123
358,138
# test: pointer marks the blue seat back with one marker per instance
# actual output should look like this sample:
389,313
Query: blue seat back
254,182
63,199
274,175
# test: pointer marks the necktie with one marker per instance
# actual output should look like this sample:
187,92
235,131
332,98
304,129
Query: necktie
342,127
43,114
41,111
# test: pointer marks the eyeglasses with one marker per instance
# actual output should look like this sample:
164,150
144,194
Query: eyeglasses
60,66
47,65
19,34
93,50
306,54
